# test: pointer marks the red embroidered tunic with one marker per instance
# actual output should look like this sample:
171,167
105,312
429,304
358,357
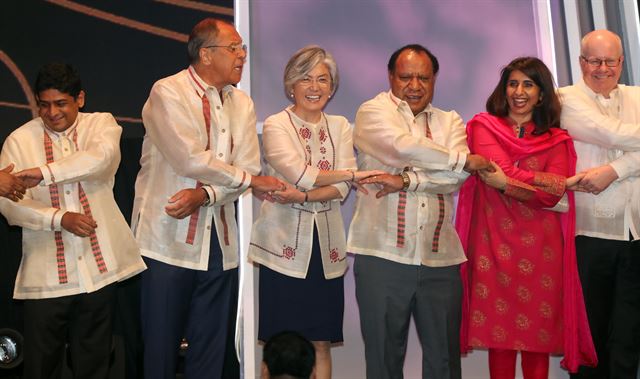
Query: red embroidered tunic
523,289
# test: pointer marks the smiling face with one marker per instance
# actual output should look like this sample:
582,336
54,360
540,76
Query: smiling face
522,96
311,93
59,110
220,66
601,46
413,80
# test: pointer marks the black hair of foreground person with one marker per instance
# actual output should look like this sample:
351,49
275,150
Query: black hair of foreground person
288,355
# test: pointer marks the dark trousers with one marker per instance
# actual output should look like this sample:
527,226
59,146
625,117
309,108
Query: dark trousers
84,321
179,302
610,276
388,294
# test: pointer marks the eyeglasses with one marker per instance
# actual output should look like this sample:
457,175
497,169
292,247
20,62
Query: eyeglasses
307,81
596,62
234,47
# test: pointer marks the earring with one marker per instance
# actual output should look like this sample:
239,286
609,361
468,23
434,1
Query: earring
329,97
291,95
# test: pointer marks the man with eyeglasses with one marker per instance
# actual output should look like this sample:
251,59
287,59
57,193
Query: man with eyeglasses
604,119
199,154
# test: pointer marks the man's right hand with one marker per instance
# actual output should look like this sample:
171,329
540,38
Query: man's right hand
11,186
477,162
78,224
263,186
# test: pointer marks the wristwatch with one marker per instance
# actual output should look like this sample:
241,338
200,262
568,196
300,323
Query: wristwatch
405,180
208,199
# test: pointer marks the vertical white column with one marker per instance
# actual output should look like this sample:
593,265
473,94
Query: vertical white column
572,20
544,35
631,25
599,14
245,324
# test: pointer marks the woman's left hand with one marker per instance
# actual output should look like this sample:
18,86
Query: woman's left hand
290,194
496,179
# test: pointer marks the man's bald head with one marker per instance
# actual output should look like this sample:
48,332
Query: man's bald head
600,38
601,61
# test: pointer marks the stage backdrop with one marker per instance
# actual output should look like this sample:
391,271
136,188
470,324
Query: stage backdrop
472,40
120,48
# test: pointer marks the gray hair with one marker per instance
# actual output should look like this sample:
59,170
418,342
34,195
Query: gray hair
303,61
203,31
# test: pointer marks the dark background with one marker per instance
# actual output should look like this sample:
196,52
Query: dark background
118,65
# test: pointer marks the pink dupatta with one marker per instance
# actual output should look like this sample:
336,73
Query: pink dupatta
578,345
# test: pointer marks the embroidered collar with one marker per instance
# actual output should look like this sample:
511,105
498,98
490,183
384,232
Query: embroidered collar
201,86
68,132
295,117
520,130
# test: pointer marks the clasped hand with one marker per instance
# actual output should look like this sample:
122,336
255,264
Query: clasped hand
593,180
11,186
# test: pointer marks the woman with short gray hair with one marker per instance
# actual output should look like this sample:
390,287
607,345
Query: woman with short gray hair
299,238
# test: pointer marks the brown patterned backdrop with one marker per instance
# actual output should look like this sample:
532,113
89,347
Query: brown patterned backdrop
120,49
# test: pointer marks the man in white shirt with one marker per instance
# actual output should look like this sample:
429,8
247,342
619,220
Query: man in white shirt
75,241
199,154
408,252
604,119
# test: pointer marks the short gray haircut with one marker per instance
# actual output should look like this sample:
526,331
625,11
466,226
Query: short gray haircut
203,31
303,61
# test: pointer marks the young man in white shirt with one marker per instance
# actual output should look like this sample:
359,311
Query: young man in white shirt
603,117
408,252
200,153
76,243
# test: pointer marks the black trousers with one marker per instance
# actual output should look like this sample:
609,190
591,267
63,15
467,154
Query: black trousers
610,276
84,321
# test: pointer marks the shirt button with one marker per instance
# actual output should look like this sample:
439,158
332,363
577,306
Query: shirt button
65,149
224,130
217,107
68,192
422,227
80,258
209,227
220,155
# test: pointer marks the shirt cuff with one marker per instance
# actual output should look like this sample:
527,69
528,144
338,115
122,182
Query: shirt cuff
211,193
519,190
56,220
343,189
47,175
242,180
414,181
623,170
308,178
457,160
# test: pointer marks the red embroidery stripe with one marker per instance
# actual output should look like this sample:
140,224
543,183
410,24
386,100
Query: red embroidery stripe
206,111
436,234
225,228
95,246
193,222
55,203
402,202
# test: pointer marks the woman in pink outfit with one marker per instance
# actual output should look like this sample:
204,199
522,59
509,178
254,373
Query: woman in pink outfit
517,225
